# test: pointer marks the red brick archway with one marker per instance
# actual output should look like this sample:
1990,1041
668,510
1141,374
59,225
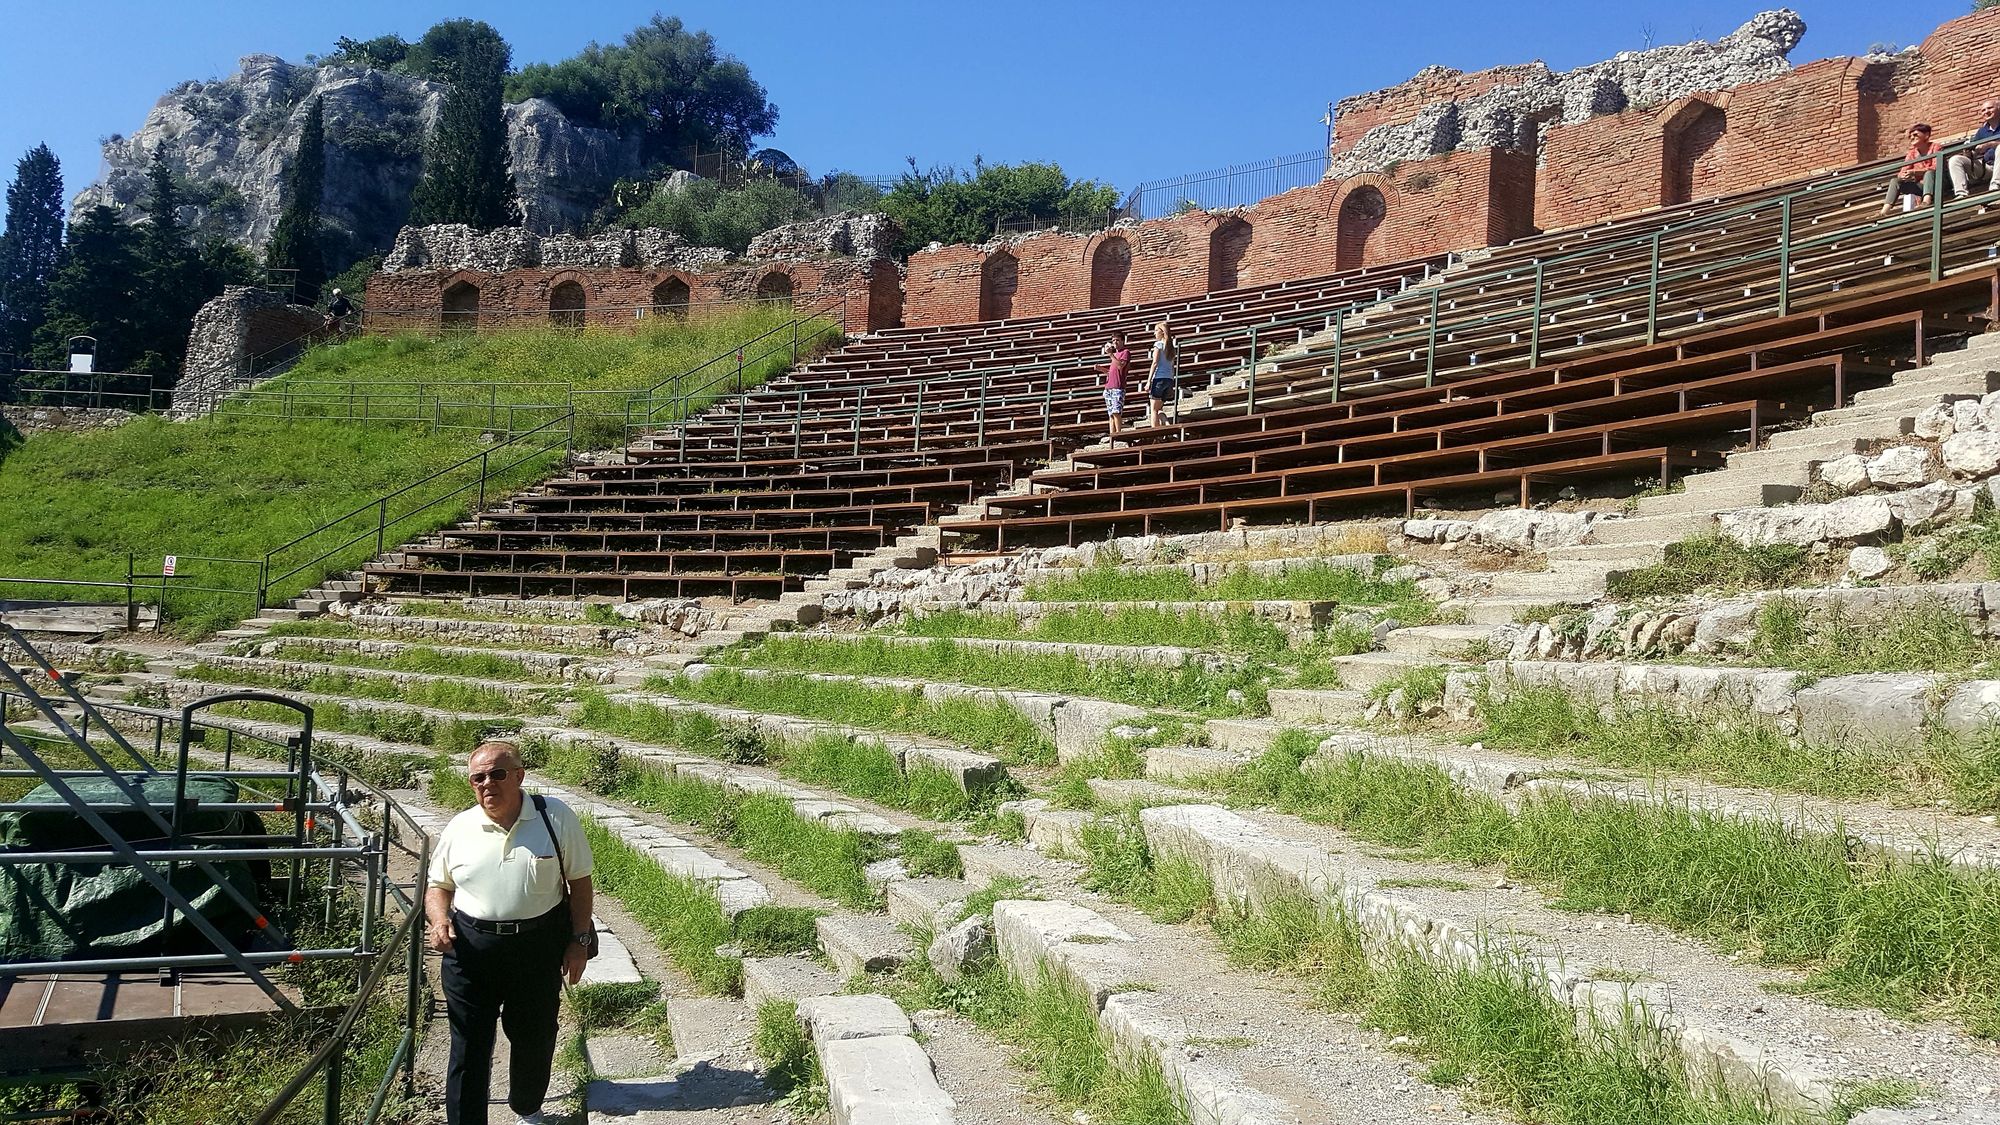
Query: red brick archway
1228,243
999,277
1110,266
672,296
1361,215
460,306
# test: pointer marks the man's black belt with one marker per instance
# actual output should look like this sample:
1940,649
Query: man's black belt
518,926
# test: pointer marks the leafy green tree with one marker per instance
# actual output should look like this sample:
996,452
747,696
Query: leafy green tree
947,205
295,244
31,249
465,178
665,79
384,52
708,214
845,191
91,294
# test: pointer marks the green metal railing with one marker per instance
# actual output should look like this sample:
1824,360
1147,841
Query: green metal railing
673,400
1540,308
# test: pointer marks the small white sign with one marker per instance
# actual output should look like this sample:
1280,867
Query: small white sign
167,568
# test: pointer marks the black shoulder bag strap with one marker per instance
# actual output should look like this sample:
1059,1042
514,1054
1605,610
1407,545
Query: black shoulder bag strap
562,867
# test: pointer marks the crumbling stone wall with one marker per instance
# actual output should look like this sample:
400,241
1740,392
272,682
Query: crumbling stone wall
243,332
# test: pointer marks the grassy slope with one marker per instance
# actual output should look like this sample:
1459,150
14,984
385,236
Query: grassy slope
72,505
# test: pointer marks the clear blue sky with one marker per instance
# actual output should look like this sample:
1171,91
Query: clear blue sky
1116,92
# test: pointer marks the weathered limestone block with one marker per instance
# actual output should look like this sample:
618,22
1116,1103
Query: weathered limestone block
1902,466
1848,474
1878,707
829,1018
962,949
1973,455
887,1079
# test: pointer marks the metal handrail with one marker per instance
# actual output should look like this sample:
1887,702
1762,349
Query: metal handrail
1653,239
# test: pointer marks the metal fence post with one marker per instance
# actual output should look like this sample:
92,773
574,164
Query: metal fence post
1431,348
1048,402
1784,256
1535,334
917,426
1938,185
860,396
381,522
1252,407
1652,295
482,482
798,424
332,1114
985,383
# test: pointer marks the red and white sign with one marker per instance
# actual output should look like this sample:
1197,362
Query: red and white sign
167,567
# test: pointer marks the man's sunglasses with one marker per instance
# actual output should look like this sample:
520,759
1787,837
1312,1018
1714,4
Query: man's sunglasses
490,775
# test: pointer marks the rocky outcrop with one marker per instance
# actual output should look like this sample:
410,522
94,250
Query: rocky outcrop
850,234
235,137
1516,113
455,246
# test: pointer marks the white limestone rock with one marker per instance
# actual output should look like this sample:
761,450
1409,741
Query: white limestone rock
1902,466
1849,474
962,949
1975,455
1866,563
1966,417
1934,422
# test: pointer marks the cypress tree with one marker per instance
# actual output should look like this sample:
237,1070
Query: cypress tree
91,294
295,243
465,178
170,285
31,249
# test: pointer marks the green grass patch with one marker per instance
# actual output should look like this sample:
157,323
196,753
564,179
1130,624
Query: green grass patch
1737,748
1219,628
859,769
1056,1041
791,1066
1311,581
443,695
683,916
457,735
775,931
334,628
234,485
1903,936
992,728
1187,687
826,859
1925,635
422,659
924,855
1712,563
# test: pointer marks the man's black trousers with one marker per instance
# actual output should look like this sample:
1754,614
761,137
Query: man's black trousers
512,978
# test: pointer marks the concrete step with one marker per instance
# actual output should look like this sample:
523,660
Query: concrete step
1888,424
789,979
1435,641
860,944
1648,529
1243,738
1574,580
1712,492
1508,610
1183,763
1366,671
1631,553
1312,705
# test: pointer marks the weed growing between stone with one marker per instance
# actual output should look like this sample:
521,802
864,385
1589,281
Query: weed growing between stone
924,855
455,735
859,769
1188,687
443,695
421,658
1056,1039
1711,563
683,916
1213,629
791,1066
1921,636
1905,937
334,628
1737,748
1313,581
826,859
992,728
775,931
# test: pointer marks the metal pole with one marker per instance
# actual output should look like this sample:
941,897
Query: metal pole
1652,293
1937,218
1535,334
1339,323
1431,348
381,522
482,482
1048,402
985,382
1252,407
860,396
332,1114
1784,256
798,424
917,428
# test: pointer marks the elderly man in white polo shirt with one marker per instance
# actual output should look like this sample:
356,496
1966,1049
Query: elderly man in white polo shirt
509,907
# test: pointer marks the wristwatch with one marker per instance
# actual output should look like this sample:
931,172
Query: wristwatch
587,938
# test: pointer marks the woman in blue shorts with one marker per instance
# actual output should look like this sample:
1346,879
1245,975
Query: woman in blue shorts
1160,386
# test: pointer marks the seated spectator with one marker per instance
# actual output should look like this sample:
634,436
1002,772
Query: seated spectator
1915,176
1972,170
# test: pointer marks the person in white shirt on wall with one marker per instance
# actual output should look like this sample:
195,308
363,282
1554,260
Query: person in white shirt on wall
509,907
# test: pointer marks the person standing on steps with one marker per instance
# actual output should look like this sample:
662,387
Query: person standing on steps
1160,384
509,906
1114,384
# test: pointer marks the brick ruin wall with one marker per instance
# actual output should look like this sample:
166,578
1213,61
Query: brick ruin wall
863,295
1564,173
1823,115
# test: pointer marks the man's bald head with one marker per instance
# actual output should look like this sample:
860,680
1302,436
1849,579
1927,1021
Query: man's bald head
497,754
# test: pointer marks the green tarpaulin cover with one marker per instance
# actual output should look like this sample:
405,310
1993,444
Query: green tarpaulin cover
56,910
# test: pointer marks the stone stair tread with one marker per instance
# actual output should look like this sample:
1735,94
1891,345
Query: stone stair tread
789,979
1181,763
918,903
858,944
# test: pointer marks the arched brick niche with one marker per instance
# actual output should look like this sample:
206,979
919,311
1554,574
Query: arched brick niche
999,277
1110,267
1228,244
1361,214
460,306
